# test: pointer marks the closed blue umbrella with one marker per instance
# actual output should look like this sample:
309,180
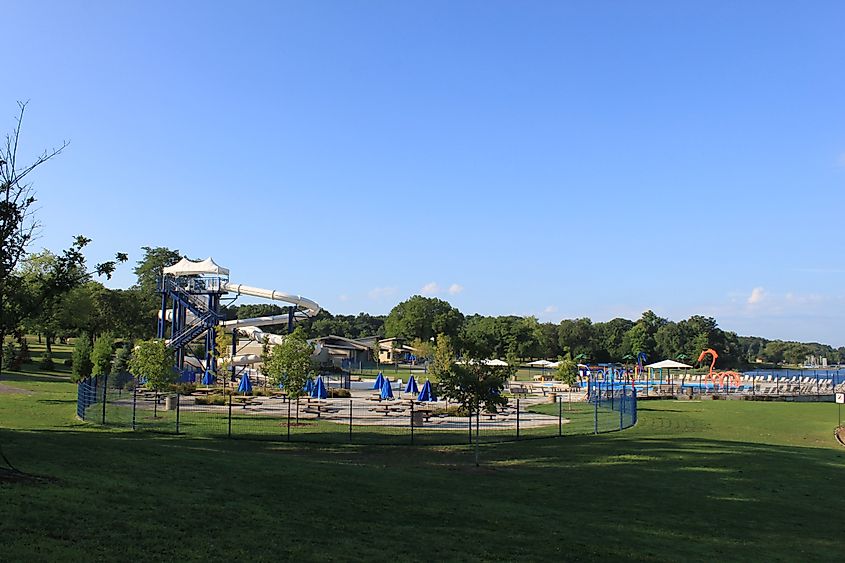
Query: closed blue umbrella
426,395
309,386
379,381
319,391
386,389
207,378
245,385
411,387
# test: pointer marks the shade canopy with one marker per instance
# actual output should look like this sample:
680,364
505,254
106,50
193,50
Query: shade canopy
426,395
379,381
411,387
541,364
245,385
319,391
386,389
185,267
668,364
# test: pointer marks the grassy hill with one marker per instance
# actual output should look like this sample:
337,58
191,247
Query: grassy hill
724,480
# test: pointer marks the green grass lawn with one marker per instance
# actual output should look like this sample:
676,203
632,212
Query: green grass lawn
715,480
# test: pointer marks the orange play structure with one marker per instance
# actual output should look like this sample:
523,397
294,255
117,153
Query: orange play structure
719,376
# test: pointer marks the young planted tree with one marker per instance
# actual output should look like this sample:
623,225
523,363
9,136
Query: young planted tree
375,352
223,352
290,363
476,385
567,372
81,366
443,357
153,360
101,355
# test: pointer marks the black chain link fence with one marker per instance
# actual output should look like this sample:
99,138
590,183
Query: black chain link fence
358,419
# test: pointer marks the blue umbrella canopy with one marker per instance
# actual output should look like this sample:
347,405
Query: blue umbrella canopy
411,387
319,391
426,395
245,385
379,381
309,386
386,389
207,378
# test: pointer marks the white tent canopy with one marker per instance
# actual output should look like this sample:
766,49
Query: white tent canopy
666,364
185,267
540,364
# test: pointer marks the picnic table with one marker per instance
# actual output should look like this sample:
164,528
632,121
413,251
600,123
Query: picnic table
386,409
319,407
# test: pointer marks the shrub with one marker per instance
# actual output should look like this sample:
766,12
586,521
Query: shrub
11,359
23,353
46,362
211,400
183,388
339,393
453,410
68,362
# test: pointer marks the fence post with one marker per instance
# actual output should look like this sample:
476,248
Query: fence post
288,419
517,419
155,405
230,417
350,421
134,405
105,385
412,422
469,420
622,410
178,396
596,416
560,416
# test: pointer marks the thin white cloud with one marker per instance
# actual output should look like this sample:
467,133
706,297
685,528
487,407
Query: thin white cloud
455,289
757,295
550,309
841,160
379,293
343,298
430,289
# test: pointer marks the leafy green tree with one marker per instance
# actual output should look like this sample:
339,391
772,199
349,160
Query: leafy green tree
101,355
290,363
18,223
577,336
121,359
567,370
475,384
153,360
423,349
423,317
81,366
443,357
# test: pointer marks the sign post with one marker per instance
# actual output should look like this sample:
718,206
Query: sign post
840,399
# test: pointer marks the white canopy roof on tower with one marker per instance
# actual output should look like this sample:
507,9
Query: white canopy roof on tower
185,267
668,364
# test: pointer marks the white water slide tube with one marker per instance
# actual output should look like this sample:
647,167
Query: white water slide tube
249,327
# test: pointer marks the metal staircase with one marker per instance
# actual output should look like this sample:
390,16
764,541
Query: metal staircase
204,317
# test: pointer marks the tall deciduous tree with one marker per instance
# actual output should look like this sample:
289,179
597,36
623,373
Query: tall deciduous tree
423,317
18,224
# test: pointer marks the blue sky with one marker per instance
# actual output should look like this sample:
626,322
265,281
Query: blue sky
557,159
